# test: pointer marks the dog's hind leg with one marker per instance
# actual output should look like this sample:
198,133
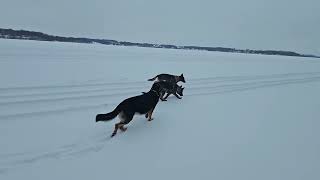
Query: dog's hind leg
116,127
125,117
123,128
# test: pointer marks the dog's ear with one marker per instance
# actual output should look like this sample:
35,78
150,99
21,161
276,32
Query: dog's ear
182,78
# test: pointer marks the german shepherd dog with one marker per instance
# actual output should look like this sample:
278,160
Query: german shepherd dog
168,77
170,88
142,104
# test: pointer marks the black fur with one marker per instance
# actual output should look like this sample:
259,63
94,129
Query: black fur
142,104
168,77
170,88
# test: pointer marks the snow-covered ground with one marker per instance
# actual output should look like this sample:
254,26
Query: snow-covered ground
244,117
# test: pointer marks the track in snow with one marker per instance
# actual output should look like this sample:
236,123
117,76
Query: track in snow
34,101
30,99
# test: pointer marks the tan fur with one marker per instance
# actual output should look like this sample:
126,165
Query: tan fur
176,78
150,115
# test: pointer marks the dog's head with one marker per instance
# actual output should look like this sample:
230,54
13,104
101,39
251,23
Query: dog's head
181,78
180,90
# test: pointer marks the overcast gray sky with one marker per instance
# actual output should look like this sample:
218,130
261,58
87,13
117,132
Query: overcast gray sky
255,24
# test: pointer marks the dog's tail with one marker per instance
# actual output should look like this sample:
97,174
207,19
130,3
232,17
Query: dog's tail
152,79
109,116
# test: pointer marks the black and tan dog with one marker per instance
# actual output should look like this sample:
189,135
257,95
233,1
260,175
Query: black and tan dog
170,88
168,77
142,104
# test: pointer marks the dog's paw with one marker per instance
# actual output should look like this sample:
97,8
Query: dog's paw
113,134
123,129
150,119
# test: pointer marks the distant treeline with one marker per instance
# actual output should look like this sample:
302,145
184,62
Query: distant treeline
38,36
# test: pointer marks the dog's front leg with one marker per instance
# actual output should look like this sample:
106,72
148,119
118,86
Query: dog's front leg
177,95
162,99
149,115
168,94
161,96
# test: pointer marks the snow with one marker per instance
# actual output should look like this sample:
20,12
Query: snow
241,117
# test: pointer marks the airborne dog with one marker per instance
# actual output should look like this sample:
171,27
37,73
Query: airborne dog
168,77
142,104
170,88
